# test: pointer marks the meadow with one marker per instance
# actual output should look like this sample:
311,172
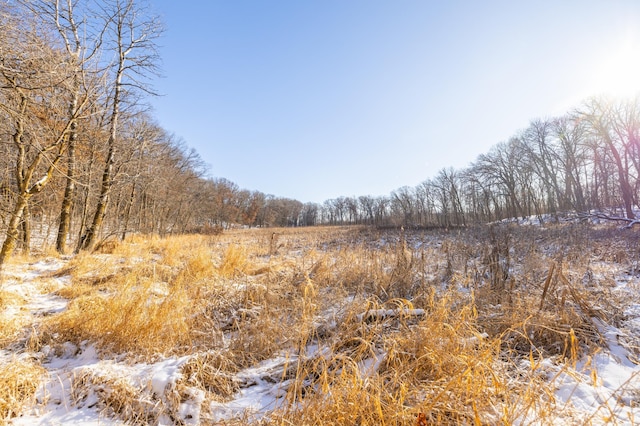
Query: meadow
503,324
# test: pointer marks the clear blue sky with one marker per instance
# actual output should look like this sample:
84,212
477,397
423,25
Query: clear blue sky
316,99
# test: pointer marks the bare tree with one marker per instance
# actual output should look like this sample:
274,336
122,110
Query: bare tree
366,206
571,151
403,202
81,43
607,122
131,34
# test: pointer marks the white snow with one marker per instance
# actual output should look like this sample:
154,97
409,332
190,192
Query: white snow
605,388
260,394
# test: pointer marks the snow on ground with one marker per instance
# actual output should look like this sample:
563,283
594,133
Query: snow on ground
601,389
60,401
604,388
261,391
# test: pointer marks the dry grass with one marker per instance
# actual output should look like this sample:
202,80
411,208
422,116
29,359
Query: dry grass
204,379
212,372
139,316
386,371
19,380
10,323
470,317
116,396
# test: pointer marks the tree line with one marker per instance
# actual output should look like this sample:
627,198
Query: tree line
585,161
83,159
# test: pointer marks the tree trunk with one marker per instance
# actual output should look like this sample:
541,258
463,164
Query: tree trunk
127,213
11,239
26,230
88,240
623,179
70,187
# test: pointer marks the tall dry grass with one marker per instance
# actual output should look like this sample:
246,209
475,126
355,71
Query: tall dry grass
467,318
11,323
19,381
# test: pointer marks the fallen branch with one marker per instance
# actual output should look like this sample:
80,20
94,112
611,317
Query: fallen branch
629,222
383,314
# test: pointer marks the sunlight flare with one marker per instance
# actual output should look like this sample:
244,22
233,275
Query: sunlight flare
618,74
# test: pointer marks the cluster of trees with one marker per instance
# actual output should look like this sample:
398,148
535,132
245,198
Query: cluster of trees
71,124
586,160
223,203
81,158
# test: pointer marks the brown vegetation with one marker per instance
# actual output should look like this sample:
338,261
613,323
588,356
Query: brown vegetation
376,328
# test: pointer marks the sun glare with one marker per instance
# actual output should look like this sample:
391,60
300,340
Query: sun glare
618,74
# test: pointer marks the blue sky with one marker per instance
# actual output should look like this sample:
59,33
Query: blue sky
316,99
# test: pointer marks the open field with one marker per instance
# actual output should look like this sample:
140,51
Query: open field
328,326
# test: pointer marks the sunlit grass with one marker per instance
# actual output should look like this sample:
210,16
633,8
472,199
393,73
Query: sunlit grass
19,380
455,340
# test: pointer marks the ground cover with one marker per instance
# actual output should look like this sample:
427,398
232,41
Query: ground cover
503,324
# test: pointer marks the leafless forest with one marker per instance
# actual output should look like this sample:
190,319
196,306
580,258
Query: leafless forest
83,159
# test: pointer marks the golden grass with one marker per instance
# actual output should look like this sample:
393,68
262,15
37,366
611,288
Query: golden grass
136,317
11,324
10,329
212,372
388,371
233,300
19,380
234,262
